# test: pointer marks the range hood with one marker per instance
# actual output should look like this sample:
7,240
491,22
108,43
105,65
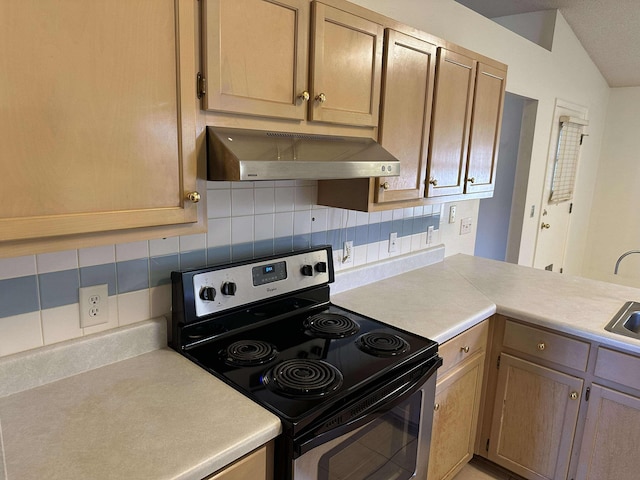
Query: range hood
239,154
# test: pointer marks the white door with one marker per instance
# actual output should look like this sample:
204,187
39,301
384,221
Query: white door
554,218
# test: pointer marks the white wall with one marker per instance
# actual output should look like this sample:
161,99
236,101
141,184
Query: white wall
567,72
535,26
615,225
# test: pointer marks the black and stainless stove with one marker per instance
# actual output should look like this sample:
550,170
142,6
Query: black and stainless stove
267,328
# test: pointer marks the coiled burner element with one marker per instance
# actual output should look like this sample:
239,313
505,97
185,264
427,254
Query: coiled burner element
249,352
330,325
303,378
382,344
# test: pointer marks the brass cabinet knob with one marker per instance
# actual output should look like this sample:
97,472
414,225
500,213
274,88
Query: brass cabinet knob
573,395
433,181
471,179
385,186
465,349
545,226
541,346
321,97
194,197
436,407
304,96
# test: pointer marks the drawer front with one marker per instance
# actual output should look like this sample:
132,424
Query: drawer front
618,367
548,346
463,346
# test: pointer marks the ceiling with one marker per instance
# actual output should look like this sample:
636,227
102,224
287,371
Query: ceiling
609,30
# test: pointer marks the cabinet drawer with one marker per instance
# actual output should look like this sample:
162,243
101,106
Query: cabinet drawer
547,346
618,367
463,346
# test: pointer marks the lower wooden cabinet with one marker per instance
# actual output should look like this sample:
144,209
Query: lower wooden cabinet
534,419
257,465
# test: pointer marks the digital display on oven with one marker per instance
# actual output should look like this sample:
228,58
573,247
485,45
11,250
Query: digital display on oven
272,272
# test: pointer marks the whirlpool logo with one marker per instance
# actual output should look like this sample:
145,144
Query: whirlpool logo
272,289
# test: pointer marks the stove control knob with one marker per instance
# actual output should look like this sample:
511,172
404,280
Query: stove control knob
321,267
228,288
307,270
208,294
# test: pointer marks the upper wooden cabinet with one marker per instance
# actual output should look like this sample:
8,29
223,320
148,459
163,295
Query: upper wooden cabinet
256,61
97,124
465,132
255,55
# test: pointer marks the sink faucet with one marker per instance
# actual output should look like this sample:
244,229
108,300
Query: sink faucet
615,270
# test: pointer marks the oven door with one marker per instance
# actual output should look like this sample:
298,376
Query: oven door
390,442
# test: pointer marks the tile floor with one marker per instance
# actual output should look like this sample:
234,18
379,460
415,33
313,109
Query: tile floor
477,469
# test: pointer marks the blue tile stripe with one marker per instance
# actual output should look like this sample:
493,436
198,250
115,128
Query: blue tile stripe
22,295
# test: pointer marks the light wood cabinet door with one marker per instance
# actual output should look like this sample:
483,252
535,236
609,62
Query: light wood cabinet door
408,78
257,465
452,107
346,66
485,129
534,419
97,117
455,419
611,437
256,56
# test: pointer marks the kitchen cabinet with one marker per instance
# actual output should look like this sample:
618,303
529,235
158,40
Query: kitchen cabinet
612,430
407,89
457,403
465,130
257,465
98,119
257,56
538,393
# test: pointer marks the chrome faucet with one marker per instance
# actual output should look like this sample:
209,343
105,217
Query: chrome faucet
615,270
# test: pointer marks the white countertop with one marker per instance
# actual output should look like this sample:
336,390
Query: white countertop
155,415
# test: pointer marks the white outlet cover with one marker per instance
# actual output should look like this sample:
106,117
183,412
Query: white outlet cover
347,253
94,305
465,225
393,242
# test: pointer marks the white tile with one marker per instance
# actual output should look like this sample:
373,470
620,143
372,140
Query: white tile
373,252
20,333
375,217
61,323
57,261
96,255
405,244
264,226
383,250
164,246
302,222
132,251
265,200
160,301
285,183
133,307
17,267
334,218
398,214
362,218
386,215
283,224
218,203
242,229
113,318
418,211
360,255
350,218
242,202
264,184
285,198
241,185
418,242
305,197
218,186
408,212
188,243
219,232
319,220
428,209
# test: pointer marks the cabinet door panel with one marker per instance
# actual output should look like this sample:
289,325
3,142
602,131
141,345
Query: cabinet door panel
346,67
453,99
97,124
485,129
406,113
611,437
534,419
256,56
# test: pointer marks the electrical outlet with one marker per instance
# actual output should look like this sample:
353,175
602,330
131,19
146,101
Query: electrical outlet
430,235
94,305
347,253
452,214
393,242
465,225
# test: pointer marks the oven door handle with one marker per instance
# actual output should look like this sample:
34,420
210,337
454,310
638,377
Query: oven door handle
406,387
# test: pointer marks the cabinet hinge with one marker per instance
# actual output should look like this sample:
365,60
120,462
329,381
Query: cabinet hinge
587,394
498,363
201,85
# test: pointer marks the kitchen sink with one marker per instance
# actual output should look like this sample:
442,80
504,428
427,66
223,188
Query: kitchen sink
626,321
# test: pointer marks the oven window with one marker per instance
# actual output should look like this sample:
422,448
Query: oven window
385,449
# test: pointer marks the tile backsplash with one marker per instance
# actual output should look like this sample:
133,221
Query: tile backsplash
39,293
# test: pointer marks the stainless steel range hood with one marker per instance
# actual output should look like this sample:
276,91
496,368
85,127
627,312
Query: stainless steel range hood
239,154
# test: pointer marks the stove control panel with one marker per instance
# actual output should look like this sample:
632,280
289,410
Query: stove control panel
233,286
